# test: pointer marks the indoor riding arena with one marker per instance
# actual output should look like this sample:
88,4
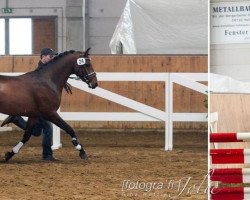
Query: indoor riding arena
143,128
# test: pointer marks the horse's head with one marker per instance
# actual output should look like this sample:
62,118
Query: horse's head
83,68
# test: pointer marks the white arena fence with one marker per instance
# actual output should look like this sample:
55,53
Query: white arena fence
144,112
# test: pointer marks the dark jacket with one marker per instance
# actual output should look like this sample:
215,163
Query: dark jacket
40,65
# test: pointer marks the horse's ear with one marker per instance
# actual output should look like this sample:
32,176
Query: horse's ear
86,52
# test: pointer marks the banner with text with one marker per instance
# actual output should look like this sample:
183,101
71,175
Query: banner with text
230,22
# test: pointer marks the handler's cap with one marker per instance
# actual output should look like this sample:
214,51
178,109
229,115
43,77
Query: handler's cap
48,51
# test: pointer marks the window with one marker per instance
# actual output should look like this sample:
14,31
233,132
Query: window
26,36
2,37
20,36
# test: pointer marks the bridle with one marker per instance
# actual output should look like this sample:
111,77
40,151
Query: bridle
84,63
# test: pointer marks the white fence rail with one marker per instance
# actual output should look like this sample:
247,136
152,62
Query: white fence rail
144,112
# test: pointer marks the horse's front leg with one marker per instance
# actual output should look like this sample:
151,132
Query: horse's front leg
26,136
57,120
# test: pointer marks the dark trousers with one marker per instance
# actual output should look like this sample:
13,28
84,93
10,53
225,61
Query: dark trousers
42,127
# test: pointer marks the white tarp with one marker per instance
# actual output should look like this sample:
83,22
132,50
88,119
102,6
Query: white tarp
225,84
162,27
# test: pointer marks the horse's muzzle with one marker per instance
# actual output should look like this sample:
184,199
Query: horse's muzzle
93,85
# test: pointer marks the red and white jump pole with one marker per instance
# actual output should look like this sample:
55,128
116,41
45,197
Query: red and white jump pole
230,156
229,137
230,193
230,175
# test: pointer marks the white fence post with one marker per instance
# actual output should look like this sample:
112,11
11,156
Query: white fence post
213,122
169,113
56,144
56,138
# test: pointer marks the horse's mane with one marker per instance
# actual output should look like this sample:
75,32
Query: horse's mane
59,56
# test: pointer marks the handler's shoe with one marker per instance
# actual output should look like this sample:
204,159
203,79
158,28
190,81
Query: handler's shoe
50,158
9,119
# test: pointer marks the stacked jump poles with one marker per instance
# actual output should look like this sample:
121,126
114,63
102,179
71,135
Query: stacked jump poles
235,176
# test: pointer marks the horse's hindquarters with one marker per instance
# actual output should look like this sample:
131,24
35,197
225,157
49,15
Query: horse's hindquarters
15,97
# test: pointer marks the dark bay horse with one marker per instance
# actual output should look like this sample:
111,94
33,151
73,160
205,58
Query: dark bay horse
37,94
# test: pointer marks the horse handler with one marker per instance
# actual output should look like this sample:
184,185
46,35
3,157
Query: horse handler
42,127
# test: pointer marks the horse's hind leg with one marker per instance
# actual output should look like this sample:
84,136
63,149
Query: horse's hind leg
26,136
57,120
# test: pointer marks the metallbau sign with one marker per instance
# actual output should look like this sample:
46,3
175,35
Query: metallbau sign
230,22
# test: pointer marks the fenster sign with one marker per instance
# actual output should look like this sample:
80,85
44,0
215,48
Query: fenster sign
230,22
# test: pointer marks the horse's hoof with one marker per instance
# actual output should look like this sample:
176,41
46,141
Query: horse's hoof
8,155
83,155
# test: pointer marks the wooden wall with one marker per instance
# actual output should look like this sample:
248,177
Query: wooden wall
151,93
233,116
235,119
44,34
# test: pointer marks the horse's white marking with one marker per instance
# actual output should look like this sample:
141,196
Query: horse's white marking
81,61
17,147
78,147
